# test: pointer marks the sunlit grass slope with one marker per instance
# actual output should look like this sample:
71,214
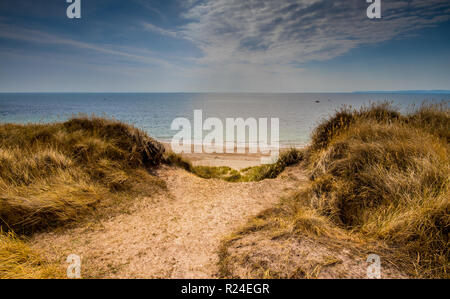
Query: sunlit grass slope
378,175
52,174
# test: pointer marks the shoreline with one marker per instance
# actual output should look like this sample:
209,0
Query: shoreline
234,160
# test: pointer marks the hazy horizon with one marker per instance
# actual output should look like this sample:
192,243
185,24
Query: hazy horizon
243,92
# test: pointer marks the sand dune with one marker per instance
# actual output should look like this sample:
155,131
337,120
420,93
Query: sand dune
173,235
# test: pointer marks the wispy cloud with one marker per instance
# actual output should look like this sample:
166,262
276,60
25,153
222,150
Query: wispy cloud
224,45
148,6
37,36
161,31
267,32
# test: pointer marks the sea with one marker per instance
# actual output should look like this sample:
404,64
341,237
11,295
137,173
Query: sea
298,113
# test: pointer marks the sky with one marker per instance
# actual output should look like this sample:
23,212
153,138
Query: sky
224,46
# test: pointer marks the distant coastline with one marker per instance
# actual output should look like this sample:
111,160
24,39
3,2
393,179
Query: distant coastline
443,91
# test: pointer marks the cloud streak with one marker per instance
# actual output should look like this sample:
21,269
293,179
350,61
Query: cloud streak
152,28
36,36
268,32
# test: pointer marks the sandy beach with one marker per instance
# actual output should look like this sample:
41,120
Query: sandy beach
234,160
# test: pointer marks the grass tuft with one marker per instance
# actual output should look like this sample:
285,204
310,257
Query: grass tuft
18,261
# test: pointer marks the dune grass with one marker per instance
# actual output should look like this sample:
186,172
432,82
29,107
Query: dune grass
18,261
380,175
53,174
387,176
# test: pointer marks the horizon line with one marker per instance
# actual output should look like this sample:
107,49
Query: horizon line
420,91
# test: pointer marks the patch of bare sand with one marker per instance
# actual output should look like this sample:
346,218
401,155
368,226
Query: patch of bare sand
176,235
257,255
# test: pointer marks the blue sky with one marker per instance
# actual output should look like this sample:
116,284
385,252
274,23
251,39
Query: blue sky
224,46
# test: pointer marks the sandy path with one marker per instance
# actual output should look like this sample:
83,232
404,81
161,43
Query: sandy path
167,236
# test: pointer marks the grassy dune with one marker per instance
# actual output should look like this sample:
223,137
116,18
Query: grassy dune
387,176
55,174
378,182
376,177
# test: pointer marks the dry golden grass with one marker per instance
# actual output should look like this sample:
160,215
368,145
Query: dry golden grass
377,175
18,261
53,174
387,177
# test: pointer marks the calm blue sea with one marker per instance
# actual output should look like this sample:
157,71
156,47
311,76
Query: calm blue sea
154,112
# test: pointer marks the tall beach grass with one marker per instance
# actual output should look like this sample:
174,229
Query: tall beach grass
377,175
54,174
